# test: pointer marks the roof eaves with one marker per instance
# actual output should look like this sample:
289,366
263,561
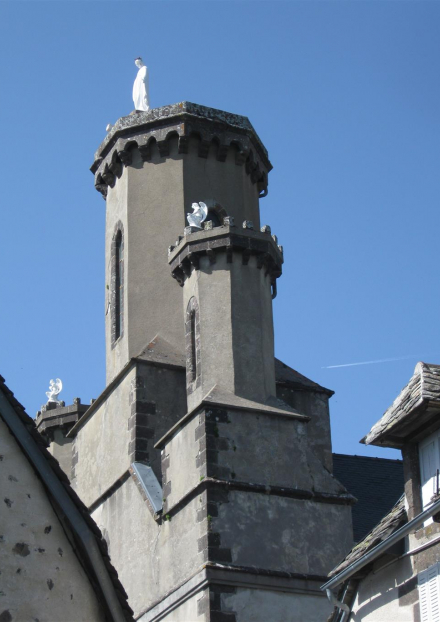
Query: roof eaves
388,525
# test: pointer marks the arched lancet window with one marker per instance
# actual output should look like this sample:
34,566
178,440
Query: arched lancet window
213,215
117,284
192,335
217,214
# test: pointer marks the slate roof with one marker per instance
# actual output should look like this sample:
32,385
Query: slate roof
387,526
159,350
162,352
422,393
286,375
376,483
62,477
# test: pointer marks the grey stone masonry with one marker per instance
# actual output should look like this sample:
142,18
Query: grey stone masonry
186,255
55,417
141,422
54,422
142,129
151,168
228,275
237,466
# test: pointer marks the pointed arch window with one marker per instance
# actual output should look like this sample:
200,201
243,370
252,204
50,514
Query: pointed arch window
192,335
117,284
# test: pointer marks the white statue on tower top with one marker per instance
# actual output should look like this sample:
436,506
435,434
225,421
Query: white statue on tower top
200,212
141,94
55,388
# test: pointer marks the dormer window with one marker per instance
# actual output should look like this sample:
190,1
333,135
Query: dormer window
429,453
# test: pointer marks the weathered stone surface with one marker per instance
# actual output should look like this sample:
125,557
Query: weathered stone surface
244,489
222,239
127,423
36,558
150,200
219,133
151,558
54,424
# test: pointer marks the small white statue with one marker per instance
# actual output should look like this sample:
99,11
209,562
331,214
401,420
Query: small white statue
55,388
200,212
141,93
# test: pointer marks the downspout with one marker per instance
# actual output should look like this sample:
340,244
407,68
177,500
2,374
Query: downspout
343,605
376,552
337,603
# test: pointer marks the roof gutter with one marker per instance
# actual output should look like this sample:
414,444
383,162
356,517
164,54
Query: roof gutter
73,515
382,547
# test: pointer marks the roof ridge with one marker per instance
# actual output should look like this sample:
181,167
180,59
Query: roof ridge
335,453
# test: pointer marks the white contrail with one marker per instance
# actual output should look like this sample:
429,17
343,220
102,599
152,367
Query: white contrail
398,358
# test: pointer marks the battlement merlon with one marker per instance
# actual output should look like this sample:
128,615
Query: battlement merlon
188,250
183,119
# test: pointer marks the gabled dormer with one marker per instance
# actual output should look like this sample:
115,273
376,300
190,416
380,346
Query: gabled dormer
412,424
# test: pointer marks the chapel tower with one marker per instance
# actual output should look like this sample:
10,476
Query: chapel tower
205,461
150,168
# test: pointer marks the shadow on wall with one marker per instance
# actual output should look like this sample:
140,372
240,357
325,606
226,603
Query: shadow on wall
390,591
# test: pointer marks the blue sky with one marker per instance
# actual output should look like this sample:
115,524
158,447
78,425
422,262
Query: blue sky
345,96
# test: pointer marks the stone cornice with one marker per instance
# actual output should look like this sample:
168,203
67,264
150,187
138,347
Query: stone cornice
228,239
330,498
140,129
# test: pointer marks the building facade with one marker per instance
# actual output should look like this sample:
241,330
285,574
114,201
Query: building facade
206,462
393,574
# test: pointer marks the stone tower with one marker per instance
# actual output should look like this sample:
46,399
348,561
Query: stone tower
205,461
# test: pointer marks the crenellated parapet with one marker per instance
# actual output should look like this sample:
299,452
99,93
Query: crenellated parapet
185,255
215,131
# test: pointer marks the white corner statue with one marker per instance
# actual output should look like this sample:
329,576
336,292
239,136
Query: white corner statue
141,92
200,212
55,388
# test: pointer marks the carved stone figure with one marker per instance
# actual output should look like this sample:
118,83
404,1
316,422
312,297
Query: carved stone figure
55,388
141,94
200,212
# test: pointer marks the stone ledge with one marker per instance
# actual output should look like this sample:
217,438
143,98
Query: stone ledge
182,120
163,115
226,238
224,399
235,576
276,491
136,360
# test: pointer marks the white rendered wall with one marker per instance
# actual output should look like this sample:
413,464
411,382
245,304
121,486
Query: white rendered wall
41,577
378,595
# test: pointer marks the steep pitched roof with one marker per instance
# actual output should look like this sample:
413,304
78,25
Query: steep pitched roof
162,352
34,447
159,350
414,409
388,525
286,375
377,483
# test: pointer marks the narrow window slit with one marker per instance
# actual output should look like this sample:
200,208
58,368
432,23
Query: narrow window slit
117,285
193,371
